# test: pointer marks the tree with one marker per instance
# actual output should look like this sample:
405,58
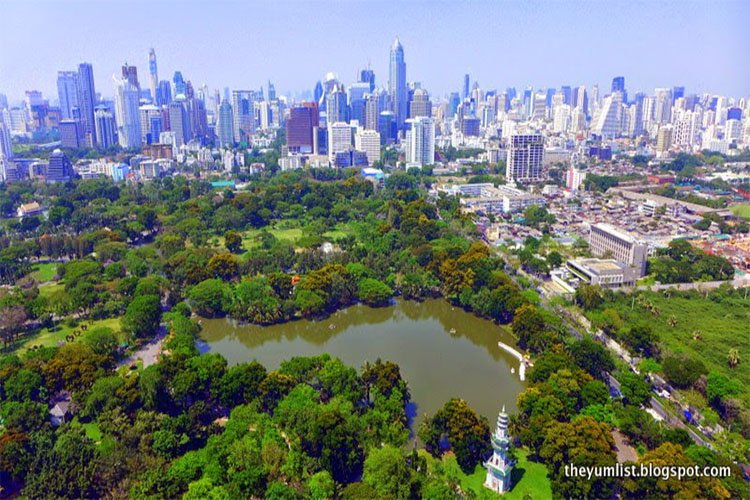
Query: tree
641,339
682,371
12,319
142,317
241,383
224,266
102,340
233,241
634,388
592,357
534,332
589,297
321,486
583,442
374,292
210,298
466,432
386,472
23,385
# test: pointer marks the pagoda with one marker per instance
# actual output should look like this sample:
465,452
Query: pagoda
499,466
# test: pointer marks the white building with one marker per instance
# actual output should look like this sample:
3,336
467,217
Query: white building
369,142
499,466
525,158
339,138
420,142
127,97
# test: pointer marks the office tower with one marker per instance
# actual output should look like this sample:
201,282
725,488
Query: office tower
67,93
618,85
336,108
163,93
677,93
339,138
732,130
151,123
3,101
369,142
387,127
243,109
127,98
367,76
301,127
375,103
225,126
420,142
562,118
397,83
539,106
608,118
465,93
567,95
6,145
663,140
59,168
271,91
356,96
71,134
662,105
105,128
524,158
606,239
453,101
179,122
179,84
87,101
130,73
734,113
153,75
687,128
318,92
420,104
197,118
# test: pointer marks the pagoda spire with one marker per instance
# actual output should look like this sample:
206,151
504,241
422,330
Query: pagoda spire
500,466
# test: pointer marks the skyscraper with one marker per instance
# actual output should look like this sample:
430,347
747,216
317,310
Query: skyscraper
465,93
59,168
128,115
105,128
179,122
87,101
420,104
608,119
367,76
301,126
153,75
67,93
420,142
336,108
243,109
225,127
318,92
339,139
163,93
130,73
525,158
179,84
618,84
397,82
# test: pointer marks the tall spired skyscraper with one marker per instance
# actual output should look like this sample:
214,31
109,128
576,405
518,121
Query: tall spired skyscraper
153,74
397,83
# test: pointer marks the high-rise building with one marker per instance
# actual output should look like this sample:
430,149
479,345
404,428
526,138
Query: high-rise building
677,93
130,73
59,168
87,102
105,128
243,109
71,134
608,119
180,88
271,91
567,95
153,75
318,91
6,146
301,128
420,104
397,83
367,76
662,105
369,142
618,85
387,127
375,103
336,108
339,138
163,93
525,158
179,122
420,142
465,93
151,123
127,99
225,126
67,93
663,140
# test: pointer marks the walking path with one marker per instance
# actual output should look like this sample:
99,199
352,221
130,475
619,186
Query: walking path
519,356
148,353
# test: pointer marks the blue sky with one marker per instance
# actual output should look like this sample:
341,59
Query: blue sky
702,45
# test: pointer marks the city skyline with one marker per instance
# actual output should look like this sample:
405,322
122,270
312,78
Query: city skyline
295,63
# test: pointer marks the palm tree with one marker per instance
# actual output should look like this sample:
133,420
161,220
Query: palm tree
733,358
672,321
697,335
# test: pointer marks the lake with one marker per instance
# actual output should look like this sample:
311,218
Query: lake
443,351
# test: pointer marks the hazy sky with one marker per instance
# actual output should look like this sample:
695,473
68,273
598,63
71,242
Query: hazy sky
703,45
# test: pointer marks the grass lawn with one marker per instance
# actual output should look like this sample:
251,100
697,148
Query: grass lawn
529,478
289,234
723,326
45,272
47,338
741,210
50,288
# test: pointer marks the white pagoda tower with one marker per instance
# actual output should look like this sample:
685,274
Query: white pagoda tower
499,466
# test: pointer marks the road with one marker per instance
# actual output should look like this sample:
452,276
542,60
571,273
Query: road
148,353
